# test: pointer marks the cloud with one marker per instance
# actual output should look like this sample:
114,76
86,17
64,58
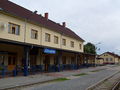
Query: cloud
93,20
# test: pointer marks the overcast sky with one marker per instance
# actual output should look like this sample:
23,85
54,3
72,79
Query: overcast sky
93,20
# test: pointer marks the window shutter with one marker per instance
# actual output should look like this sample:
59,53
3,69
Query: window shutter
8,28
17,30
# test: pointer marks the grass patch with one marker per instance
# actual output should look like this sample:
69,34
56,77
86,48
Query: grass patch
61,79
82,74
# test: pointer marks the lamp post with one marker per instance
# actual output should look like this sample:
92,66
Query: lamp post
96,47
96,51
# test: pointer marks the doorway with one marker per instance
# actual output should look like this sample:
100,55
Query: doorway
47,62
12,62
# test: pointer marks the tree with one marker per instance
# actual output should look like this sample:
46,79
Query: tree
90,48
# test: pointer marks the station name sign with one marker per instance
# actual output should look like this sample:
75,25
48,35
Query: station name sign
49,51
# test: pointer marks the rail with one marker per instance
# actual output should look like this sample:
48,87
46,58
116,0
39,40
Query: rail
116,86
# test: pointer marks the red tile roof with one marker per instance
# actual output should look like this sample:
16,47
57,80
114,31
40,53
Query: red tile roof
113,54
19,11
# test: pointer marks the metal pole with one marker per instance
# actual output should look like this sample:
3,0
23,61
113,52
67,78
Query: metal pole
59,59
26,59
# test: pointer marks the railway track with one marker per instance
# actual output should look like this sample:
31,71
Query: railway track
110,83
116,86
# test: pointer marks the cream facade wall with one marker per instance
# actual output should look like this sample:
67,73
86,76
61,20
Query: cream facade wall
28,38
116,60
105,56
76,44
25,34
99,61
52,34
4,33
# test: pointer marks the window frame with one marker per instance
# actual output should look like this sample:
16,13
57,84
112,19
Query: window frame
35,32
72,44
111,59
56,39
107,59
11,26
80,46
47,39
64,42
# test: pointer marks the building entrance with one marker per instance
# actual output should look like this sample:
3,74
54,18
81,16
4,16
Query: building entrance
47,62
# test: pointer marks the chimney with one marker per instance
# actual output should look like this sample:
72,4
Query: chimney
35,12
40,14
64,24
46,16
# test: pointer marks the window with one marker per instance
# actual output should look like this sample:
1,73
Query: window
105,55
111,59
72,44
106,59
34,34
55,39
47,37
80,46
14,29
64,42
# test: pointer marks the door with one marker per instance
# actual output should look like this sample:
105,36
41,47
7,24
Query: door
12,62
47,62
